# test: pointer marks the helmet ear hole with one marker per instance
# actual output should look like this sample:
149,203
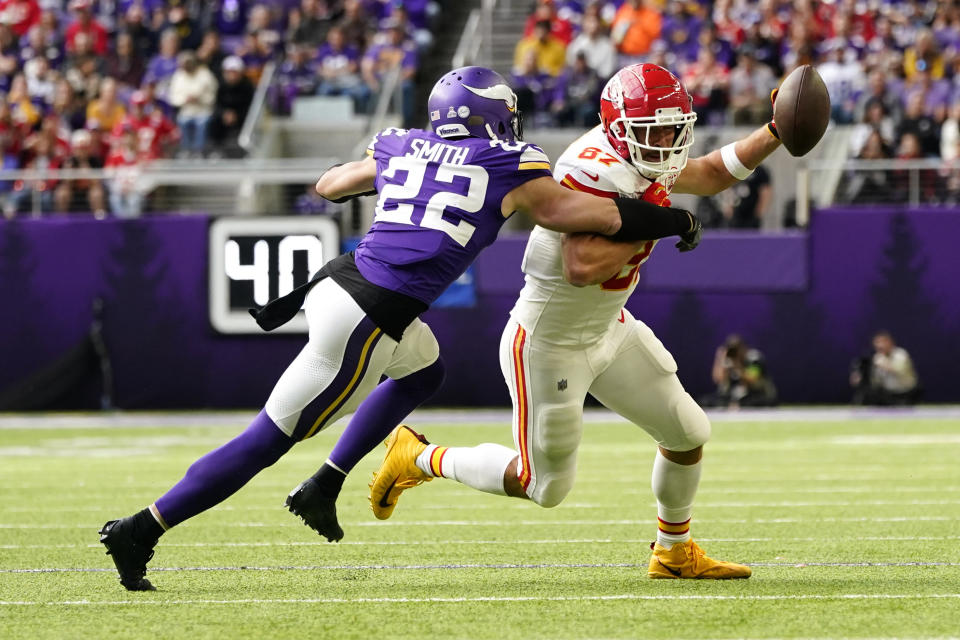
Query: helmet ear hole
501,129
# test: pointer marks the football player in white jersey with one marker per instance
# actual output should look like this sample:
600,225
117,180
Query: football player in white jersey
569,333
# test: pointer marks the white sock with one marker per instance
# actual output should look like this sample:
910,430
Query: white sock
674,486
481,467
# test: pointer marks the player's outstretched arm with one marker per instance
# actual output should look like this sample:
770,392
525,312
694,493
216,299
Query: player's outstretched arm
720,169
622,219
343,181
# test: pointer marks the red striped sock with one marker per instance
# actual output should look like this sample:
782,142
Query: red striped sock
670,533
431,460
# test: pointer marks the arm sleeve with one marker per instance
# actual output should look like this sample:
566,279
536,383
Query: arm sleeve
642,220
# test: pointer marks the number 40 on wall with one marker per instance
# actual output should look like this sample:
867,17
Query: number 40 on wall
253,260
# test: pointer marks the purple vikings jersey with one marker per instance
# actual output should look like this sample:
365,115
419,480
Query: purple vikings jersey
439,206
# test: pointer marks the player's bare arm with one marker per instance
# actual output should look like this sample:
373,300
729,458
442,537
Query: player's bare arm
554,207
622,219
589,258
350,179
710,174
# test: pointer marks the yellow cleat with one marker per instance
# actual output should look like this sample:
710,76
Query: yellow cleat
687,560
398,471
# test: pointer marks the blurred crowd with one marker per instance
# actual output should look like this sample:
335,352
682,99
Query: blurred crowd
890,66
91,84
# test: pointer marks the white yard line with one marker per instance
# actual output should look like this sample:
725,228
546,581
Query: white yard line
289,522
485,417
423,567
479,507
584,598
578,505
362,543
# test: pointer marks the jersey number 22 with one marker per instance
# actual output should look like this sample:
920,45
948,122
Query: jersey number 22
404,194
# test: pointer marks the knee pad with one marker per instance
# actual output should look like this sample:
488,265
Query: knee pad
416,351
556,439
551,491
424,343
557,435
694,425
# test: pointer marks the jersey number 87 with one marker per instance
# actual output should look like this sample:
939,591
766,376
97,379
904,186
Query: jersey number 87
601,156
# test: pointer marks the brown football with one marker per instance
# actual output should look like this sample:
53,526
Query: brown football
802,110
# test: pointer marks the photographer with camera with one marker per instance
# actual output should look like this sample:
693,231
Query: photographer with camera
887,377
740,373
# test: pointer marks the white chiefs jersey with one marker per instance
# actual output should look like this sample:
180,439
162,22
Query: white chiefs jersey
549,307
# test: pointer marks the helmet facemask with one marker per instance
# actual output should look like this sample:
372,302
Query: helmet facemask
641,134
516,123
516,128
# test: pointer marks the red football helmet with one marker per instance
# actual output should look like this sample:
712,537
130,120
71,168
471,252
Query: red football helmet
639,101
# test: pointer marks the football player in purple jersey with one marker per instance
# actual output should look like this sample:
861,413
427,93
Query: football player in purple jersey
442,197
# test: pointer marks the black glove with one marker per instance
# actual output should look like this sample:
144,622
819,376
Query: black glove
690,239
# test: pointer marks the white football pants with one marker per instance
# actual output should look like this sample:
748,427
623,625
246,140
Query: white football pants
628,370
345,355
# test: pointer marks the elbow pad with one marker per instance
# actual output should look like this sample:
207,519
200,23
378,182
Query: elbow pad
641,220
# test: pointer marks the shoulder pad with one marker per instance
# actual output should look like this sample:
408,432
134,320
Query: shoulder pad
590,162
517,156
584,179
389,131
533,157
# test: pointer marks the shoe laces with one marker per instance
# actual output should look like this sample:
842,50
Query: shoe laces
408,483
695,553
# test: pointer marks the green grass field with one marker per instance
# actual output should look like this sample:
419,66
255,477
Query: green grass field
850,524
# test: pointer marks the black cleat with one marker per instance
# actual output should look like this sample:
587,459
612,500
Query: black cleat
129,556
315,509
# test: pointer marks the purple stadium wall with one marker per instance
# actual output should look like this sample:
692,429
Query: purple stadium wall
810,302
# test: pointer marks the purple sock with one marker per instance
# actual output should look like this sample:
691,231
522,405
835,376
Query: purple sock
220,473
386,406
